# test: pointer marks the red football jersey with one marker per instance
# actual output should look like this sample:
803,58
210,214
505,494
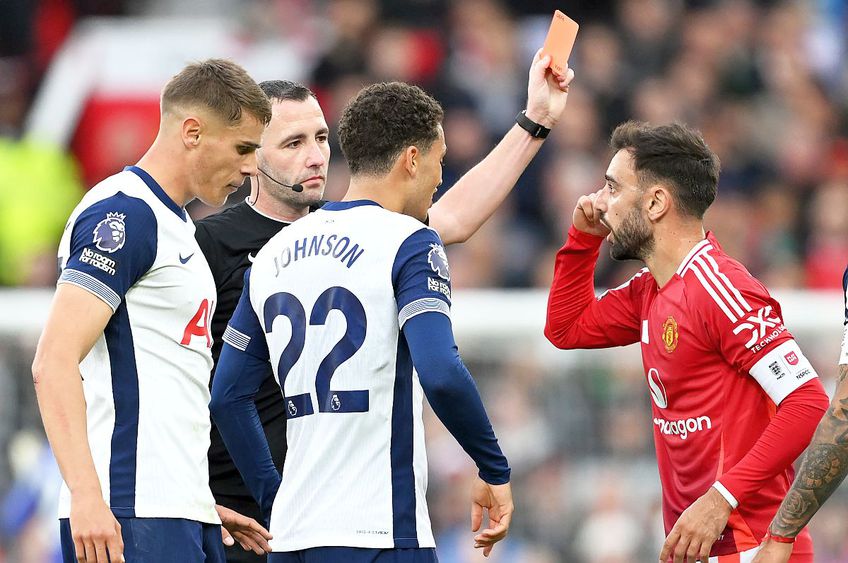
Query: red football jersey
717,358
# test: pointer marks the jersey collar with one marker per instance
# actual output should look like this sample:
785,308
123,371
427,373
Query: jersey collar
158,191
695,250
343,205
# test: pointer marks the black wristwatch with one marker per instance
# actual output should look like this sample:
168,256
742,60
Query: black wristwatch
536,131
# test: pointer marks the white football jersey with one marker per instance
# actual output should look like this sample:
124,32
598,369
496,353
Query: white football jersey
146,381
329,296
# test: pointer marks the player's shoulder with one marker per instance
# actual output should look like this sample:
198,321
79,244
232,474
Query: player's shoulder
118,197
715,280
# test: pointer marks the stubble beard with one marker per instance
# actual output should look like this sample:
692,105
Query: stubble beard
632,240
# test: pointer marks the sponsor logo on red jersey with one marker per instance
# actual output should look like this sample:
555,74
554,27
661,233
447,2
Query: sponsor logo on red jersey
657,389
792,358
683,427
762,328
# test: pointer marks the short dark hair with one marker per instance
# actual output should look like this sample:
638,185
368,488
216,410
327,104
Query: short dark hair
383,120
219,85
675,154
281,90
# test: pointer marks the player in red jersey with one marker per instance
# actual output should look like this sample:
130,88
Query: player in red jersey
734,399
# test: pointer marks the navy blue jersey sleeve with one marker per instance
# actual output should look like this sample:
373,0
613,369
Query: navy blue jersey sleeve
113,244
235,385
843,353
452,393
242,368
244,332
421,276
845,294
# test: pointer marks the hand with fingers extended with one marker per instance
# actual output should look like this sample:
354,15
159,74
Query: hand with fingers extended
547,92
587,216
95,530
249,533
697,529
497,500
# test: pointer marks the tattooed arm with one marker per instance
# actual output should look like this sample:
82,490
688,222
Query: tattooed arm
823,468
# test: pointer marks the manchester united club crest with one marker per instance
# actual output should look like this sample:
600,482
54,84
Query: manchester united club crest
669,334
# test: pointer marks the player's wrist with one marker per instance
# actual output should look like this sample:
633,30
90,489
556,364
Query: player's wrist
85,489
495,477
540,117
777,538
726,495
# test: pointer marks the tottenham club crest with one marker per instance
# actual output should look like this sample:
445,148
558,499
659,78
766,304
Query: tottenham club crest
439,261
669,334
110,233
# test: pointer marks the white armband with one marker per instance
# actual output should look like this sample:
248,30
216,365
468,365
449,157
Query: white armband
843,354
783,370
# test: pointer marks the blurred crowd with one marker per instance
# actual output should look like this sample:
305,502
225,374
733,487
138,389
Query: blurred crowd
765,81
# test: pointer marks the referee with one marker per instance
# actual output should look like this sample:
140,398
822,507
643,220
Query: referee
292,167
293,170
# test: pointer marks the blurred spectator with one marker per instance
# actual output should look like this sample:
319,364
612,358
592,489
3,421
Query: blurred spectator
39,186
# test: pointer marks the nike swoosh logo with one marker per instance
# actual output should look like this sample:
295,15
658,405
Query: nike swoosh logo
251,257
186,259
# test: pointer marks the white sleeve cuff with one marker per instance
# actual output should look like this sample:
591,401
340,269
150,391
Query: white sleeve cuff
731,500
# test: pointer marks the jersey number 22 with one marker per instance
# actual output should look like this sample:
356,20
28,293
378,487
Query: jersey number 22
334,298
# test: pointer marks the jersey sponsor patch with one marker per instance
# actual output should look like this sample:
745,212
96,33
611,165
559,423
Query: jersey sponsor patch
110,234
761,328
438,261
97,260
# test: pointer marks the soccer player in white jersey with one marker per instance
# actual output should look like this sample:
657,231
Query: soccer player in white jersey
122,367
351,305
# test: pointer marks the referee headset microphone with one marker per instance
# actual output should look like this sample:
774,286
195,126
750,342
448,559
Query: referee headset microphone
294,187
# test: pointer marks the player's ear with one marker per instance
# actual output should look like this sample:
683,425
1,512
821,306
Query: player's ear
411,159
659,202
190,132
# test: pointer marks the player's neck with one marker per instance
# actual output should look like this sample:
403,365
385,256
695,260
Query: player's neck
381,189
671,247
161,167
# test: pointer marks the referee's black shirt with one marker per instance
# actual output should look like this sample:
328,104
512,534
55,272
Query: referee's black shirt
227,239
